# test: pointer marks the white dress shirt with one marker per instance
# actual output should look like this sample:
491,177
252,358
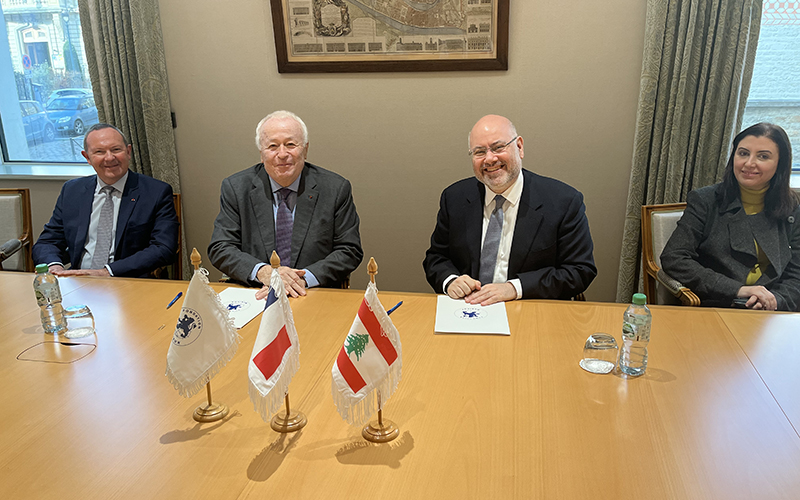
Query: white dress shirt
510,209
94,221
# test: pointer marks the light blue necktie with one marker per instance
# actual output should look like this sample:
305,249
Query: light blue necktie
491,243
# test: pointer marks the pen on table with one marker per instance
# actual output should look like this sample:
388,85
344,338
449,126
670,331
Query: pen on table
174,300
390,311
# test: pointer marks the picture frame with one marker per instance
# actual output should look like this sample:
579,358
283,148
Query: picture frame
352,36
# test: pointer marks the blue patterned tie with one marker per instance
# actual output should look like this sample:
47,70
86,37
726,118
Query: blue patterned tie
491,243
283,227
104,229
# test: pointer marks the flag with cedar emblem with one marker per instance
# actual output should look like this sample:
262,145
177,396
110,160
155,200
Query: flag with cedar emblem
370,359
205,338
276,353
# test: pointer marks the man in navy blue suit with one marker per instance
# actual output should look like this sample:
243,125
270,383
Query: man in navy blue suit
508,233
115,223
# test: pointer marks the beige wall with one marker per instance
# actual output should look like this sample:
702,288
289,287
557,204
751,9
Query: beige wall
571,90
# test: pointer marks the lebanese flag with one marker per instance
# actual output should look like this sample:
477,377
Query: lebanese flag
370,359
276,353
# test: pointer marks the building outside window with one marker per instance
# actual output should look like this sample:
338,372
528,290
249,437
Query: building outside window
775,89
46,99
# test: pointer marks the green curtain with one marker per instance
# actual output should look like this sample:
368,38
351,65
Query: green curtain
696,71
125,56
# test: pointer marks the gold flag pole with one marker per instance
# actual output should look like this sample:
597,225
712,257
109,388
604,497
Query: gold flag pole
378,431
212,411
290,421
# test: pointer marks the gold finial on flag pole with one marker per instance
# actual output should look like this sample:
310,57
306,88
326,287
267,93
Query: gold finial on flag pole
289,421
372,269
378,431
212,411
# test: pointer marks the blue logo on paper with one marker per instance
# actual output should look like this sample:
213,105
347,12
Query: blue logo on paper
237,305
189,327
470,313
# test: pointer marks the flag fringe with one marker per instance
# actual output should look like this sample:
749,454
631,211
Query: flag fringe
189,390
269,404
360,411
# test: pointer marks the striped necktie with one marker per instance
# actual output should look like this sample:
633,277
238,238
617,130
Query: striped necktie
491,243
105,228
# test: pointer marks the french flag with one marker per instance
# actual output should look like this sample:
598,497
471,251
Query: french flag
276,353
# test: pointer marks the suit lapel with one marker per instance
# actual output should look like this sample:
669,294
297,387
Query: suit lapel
84,215
769,239
262,207
473,219
529,219
307,196
126,205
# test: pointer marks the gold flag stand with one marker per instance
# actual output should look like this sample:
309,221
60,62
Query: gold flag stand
289,421
212,411
378,431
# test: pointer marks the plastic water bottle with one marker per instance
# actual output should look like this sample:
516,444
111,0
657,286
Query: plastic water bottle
635,336
48,295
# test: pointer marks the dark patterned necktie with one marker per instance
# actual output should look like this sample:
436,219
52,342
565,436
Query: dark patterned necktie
105,228
283,227
491,243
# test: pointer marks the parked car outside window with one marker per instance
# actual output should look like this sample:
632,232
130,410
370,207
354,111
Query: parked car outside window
68,93
38,127
72,114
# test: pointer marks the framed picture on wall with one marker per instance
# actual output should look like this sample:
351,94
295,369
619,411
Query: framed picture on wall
349,36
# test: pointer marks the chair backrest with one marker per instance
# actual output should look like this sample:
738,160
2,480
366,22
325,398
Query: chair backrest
658,224
15,222
175,270
178,265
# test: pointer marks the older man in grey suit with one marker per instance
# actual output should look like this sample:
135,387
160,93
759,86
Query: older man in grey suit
286,204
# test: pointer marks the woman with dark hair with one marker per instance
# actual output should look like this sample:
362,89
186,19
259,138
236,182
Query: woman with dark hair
738,242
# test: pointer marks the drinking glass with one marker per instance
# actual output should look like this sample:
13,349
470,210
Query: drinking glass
599,353
80,322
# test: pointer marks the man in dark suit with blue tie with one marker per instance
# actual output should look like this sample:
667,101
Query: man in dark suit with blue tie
524,237
303,212
115,223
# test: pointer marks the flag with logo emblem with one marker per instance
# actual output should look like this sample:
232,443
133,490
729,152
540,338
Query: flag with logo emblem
205,338
370,359
276,353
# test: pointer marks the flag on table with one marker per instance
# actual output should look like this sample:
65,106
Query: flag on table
276,353
204,339
371,358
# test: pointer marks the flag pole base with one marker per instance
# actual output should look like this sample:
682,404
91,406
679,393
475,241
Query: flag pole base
210,413
377,433
292,422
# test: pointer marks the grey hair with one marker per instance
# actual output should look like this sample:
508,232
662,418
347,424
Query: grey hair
101,126
469,142
280,114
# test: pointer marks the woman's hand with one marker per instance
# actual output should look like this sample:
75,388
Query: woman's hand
758,297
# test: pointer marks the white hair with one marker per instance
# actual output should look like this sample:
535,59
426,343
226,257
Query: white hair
280,114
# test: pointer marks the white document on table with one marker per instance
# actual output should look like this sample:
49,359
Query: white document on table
241,304
456,316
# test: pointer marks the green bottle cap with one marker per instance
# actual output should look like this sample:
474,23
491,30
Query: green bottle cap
639,299
42,268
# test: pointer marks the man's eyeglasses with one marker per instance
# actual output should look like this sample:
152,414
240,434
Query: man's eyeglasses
480,152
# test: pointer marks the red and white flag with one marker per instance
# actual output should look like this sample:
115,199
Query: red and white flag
370,359
276,353
205,338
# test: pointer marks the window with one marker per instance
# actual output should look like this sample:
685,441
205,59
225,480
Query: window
775,89
46,99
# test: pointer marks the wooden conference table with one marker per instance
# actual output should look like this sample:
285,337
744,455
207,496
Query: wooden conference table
480,416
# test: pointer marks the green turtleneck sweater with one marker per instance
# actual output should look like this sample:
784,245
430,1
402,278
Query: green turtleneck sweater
753,203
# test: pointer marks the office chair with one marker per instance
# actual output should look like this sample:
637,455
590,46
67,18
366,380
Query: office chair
16,230
658,223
